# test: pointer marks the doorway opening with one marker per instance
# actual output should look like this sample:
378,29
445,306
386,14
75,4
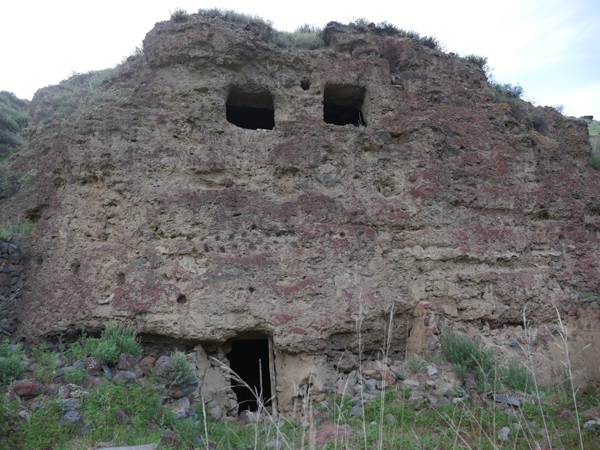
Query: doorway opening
251,110
249,359
342,105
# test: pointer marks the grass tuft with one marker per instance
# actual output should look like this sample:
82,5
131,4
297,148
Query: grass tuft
179,15
432,42
539,122
11,363
181,372
470,357
306,36
115,339
509,90
230,15
516,106
479,60
15,229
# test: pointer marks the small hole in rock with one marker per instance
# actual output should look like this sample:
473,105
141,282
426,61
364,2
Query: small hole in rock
75,265
181,299
305,84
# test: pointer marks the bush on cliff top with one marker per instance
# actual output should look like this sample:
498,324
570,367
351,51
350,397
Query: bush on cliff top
179,15
230,15
310,36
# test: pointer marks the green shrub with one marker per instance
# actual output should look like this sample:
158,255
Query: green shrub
387,28
432,42
46,363
7,410
15,229
124,338
479,60
106,352
9,181
79,93
515,376
412,34
516,106
362,23
115,339
7,351
11,363
88,345
44,430
179,15
181,372
539,123
594,161
233,16
513,90
10,139
11,368
75,351
76,376
305,36
468,355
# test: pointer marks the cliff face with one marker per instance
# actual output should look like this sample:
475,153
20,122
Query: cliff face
155,209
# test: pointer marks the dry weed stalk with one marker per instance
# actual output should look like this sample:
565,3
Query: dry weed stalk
260,403
360,351
388,342
564,336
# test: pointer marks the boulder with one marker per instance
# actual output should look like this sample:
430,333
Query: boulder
27,388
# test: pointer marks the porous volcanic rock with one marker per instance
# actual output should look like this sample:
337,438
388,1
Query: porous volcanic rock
153,209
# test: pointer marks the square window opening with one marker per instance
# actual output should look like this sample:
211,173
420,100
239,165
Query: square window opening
251,110
342,105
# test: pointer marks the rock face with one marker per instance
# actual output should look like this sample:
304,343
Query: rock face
155,209
12,280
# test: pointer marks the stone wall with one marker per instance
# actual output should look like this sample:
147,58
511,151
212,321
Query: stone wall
12,280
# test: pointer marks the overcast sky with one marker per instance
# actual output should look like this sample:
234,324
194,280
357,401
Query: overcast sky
550,47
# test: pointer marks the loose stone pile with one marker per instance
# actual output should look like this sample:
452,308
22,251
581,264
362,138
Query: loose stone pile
212,384
12,279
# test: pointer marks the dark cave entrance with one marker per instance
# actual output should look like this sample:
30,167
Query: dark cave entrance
342,105
249,358
251,110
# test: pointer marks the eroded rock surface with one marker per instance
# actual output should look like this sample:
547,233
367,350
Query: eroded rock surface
155,210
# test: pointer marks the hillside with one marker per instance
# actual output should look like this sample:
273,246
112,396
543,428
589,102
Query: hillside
14,116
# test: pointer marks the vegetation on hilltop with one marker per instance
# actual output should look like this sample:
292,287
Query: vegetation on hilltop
308,35
14,117
594,130
75,95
